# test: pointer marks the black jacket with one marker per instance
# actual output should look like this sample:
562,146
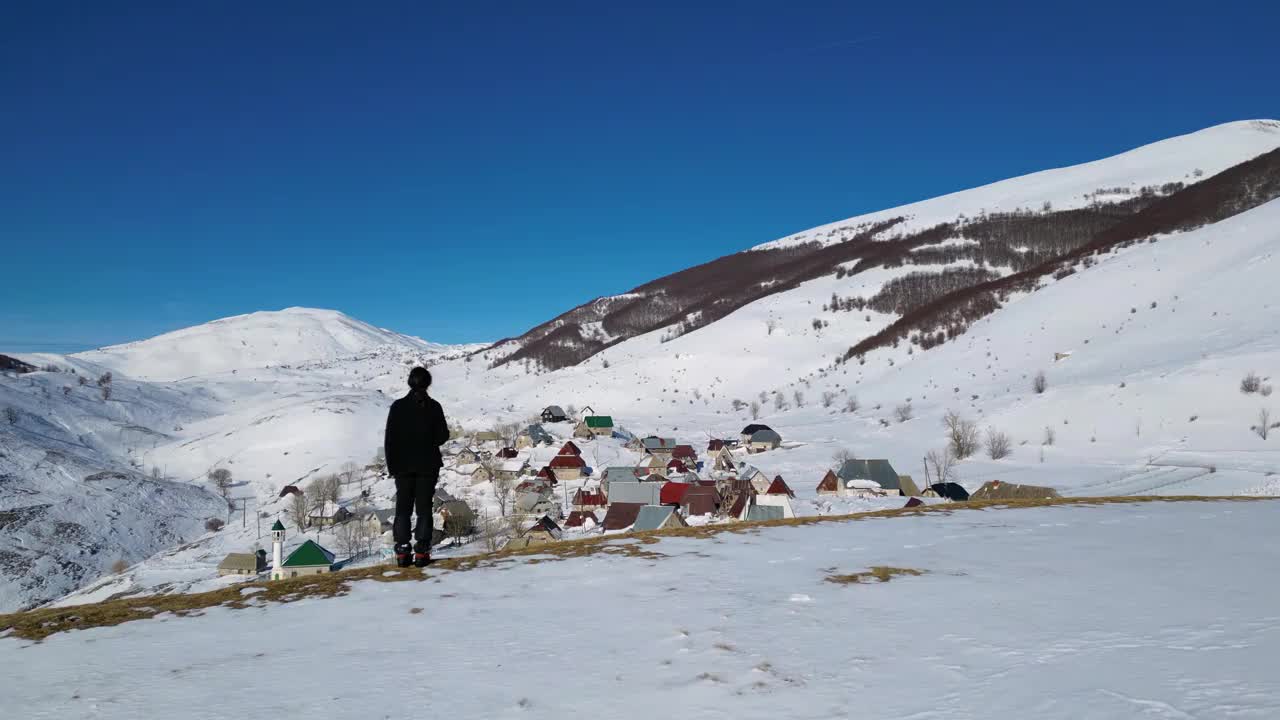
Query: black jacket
414,435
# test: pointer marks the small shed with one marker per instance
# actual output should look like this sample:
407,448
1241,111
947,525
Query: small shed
782,502
752,429
996,490
545,530
764,439
242,564
567,467
907,486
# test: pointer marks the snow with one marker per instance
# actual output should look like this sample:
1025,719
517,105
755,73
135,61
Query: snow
1153,610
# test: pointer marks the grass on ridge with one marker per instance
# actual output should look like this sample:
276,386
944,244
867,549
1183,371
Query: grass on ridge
41,623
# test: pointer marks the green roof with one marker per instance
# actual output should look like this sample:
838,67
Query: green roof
277,526
600,421
309,554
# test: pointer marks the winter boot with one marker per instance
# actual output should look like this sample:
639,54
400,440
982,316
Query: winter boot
403,557
422,555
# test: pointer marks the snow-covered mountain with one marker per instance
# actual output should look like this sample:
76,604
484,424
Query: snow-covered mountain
1138,284
294,336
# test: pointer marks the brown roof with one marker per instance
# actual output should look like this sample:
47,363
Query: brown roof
585,497
290,490
570,449
621,515
684,451
578,518
700,500
740,503
829,481
567,461
715,445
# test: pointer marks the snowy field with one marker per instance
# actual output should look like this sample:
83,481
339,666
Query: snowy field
1120,611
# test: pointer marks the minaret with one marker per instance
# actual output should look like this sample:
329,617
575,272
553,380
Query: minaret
277,551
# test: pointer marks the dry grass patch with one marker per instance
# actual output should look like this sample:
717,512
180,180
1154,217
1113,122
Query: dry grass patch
41,623
877,573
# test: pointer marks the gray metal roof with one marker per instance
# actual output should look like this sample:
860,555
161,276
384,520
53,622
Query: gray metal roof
765,435
555,410
765,512
239,561
527,501
645,493
879,471
657,443
652,517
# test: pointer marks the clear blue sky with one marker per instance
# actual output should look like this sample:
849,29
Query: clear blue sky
465,170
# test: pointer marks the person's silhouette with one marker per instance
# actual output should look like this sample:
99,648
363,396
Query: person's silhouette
416,429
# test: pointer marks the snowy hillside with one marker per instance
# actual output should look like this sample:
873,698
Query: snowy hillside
259,340
762,624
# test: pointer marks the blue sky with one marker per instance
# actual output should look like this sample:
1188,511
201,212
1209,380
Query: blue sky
463,171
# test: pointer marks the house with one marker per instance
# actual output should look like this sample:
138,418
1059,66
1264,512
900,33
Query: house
567,467
582,431
308,559
714,446
512,469
585,519
673,493
657,517
586,500
996,490
854,474
548,475
660,447
779,487
480,474
458,511
829,484
466,456
553,414
537,485
723,460
731,486
536,503
759,481
532,436
379,521
545,530
949,490
517,543
652,464
700,500
645,493
290,490
780,501
243,563
599,425
441,497
675,467
621,515
764,439
619,472
508,453
635,444
570,449
486,436
752,429
328,514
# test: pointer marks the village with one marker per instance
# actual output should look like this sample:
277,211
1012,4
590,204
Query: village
569,475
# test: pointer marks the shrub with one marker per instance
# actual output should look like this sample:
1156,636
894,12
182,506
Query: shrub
1040,383
11,415
903,412
119,566
1049,435
851,405
213,524
962,435
1251,383
997,444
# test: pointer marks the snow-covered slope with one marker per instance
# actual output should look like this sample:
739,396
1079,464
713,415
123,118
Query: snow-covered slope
1118,611
292,336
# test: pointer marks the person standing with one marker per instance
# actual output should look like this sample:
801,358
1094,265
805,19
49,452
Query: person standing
416,429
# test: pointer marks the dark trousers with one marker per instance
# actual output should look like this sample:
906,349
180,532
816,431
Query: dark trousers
415,491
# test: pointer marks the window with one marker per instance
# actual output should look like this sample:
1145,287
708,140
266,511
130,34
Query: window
293,573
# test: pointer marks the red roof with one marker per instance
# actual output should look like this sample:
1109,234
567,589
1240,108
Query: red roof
673,493
677,466
829,481
621,515
570,449
567,461
684,451
546,474
715,446
779,487
583,497
507,453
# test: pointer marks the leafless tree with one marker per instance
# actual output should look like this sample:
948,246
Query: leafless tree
82,380
799,398
11,414
1050,436
1264,423
852,405
503,491
326,488
770,325
1251,383
351,537
457,526
119,566
213,524
998,444
940,465
764,397
828,398
571,410
962,435
380,460
106,392
350,473
104,379
779,402
843,455
904,412
221,479
156,473
298,510
1040,383
737,405
492,533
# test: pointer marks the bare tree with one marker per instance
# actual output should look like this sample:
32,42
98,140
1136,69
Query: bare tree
221,479
843,455
156,473
350,473
1040,383
213,524
380,460
11,414
764,397
940,465
799,398
737,405
1050,436
962,435
1251,383
852,405
119,566
106,392
298,510
492,533
503,492
998,444
904,412
571,411
351,537
828,398
755,410
770,325
457,526
1264,423
326,488
779,402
